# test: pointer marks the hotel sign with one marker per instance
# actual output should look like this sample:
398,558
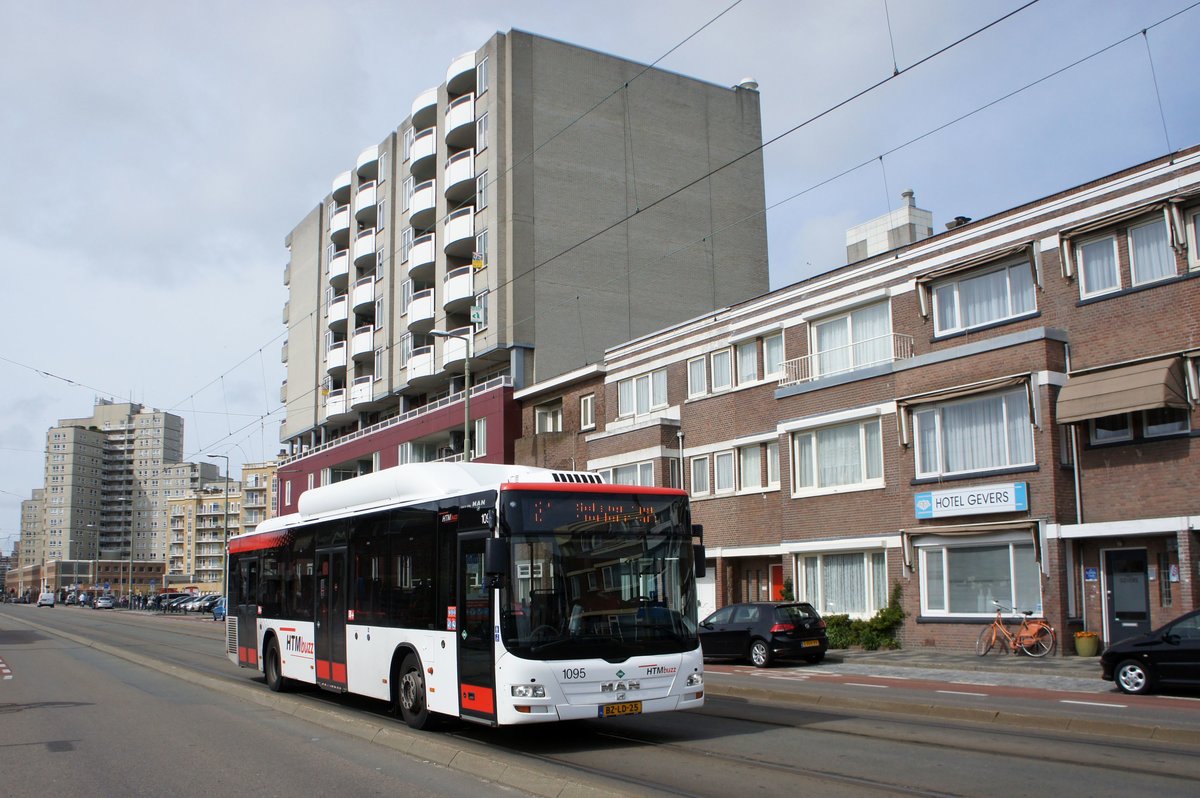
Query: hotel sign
1009,497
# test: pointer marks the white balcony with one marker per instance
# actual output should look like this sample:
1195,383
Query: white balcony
422,158
460,77
420,364
364,294
339,269
364,249
283,392
339,225
424,109
421,311
846,359
335,403
460,122
361,391
367,165
460,232
341,188
335,357
365,204
459,289
460,177
338,313
362,345
454,350
422,255
422,208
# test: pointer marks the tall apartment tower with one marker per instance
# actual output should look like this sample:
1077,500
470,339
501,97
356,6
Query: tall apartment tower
33,539
102,489
201,522
544,202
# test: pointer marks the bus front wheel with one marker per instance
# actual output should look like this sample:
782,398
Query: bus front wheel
272,669
413,707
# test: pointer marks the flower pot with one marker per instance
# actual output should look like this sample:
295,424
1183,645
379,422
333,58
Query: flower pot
1087,646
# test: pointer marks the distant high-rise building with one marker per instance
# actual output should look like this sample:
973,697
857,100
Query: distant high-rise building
907,224
543,203
33,541
103,483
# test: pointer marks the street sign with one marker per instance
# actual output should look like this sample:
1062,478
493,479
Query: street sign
106,586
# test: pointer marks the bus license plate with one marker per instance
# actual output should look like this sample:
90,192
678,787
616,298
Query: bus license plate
616,710
808,643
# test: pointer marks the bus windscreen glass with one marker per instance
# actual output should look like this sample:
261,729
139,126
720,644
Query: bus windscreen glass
591,575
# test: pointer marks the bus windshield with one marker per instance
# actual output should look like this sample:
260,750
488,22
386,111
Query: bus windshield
598,576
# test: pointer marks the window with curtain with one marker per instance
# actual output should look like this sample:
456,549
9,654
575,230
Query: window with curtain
1098,267
747,362
853,583
848,455
723,472
966,579
773,464
633,474
697,377
858,339
975,434
722,370
587,411
638,396
750,467
699,476
979,299
773,355
1150,252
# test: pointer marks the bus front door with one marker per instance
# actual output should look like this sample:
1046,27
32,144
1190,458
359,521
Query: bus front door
331,619
476,633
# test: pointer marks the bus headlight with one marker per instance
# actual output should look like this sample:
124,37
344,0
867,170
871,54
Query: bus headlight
529,691
695,679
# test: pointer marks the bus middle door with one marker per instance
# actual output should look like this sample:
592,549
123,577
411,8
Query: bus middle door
331,618
476,656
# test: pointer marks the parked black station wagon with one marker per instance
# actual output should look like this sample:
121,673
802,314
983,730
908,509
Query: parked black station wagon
763,632
1170,655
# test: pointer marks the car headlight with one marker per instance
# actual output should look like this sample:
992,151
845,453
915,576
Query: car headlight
695,679
528,691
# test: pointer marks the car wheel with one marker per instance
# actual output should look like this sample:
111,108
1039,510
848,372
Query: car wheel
1134,677
760,654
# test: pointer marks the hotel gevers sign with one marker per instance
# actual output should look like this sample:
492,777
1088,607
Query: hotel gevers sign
1008,497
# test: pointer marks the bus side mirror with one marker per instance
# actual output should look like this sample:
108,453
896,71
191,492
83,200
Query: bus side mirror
698,556
495,556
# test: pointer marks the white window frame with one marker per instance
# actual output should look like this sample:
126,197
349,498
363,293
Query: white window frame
697,380
481,76
640,474
481,246
746,361
1193,238
481,302
721,370
699,464
936,411
1167,429
955,283
481,132
874,594
481,190
769,343
548,417
749,474
724,460
773,465
409,187
479,437
1160,221
629,389
1084,291
813,455
406,244
410,137
924,552
381,215
854,342
587,411
1099,437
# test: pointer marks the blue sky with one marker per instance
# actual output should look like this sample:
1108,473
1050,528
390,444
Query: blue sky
155,155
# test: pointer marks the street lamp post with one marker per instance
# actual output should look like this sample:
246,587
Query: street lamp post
225,544
466,339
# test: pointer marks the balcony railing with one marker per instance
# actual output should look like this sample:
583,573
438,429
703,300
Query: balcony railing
845,359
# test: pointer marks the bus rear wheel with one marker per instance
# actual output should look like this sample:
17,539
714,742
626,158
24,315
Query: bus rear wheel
414,708
272,669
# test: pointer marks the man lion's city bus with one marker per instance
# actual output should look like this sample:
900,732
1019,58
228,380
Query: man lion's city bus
497,594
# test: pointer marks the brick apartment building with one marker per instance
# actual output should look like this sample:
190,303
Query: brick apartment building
1005,411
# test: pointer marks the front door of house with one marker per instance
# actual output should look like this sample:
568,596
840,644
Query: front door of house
1126,593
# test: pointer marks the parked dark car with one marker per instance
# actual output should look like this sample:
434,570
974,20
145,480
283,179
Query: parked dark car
763,632
1170,655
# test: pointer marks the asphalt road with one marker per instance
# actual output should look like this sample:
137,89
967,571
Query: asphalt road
827,730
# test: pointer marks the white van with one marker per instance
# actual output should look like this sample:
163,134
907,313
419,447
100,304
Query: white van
46,600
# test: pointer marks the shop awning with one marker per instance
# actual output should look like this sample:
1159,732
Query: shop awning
1144,386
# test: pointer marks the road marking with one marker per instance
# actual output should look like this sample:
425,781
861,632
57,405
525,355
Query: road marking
1093,704
962,692
860,684
1180,697
5,673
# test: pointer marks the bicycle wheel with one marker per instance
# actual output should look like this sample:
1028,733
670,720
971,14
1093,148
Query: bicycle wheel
987,639
1039,642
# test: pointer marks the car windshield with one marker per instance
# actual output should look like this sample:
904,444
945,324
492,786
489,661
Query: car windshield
599,585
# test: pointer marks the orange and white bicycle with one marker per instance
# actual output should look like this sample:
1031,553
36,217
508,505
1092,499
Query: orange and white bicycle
1035,638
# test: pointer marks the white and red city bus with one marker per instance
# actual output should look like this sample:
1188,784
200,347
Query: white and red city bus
497,594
